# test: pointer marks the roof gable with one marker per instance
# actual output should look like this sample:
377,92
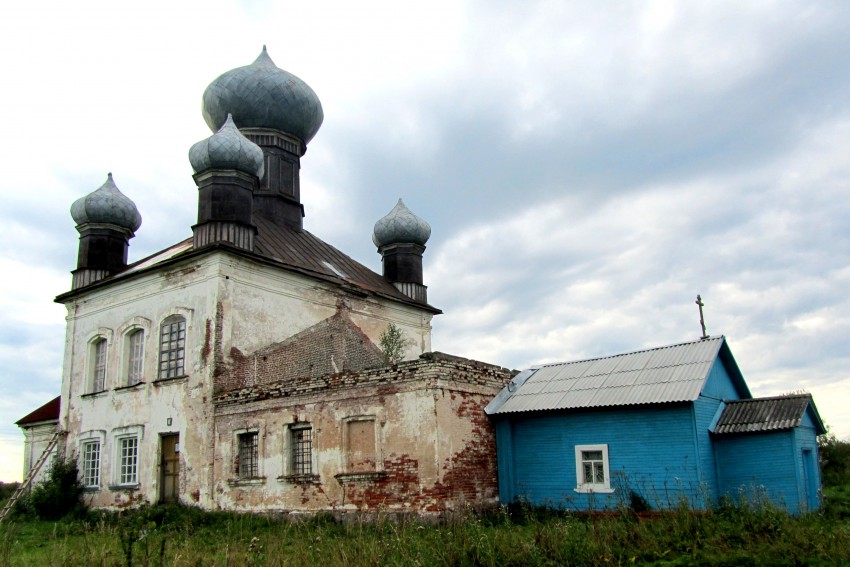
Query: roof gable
775,413
674,373
47,412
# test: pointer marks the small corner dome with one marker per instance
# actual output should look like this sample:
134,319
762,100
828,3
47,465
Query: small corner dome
227,149
107,205
261,95
401,226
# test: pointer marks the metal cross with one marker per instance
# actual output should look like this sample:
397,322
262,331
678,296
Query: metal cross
700,304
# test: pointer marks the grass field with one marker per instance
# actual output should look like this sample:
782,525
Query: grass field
732,535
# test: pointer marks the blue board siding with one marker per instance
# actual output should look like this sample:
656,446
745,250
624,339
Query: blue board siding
760,465
808,474
651,450
718,387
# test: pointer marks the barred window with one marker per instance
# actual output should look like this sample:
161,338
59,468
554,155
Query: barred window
91,463
129,460
135,358
99,367
302,449
172,347
248,457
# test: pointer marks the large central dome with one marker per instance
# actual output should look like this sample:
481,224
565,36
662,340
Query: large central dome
261,95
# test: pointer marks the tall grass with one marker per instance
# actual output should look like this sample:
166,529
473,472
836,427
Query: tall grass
737,533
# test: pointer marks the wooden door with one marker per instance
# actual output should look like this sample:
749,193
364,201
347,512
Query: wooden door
170,467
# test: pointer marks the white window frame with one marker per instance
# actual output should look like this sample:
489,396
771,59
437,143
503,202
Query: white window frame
90,468
127,465
597,487
119,459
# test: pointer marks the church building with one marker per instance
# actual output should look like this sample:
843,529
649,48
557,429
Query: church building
240,369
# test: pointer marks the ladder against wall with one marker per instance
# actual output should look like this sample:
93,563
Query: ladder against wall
33,472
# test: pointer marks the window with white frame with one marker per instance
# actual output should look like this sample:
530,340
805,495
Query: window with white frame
90,451
98,378
128,460
135,356
248,455
301,441
172,347
592,472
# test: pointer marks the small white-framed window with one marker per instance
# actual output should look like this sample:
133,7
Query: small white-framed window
248,455
90,453
128,460
172,347
592,471
301,443
98,377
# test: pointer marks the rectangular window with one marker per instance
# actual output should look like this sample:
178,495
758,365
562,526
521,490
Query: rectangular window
91,463
136,355
248,457
128,460
592,474
99,373
302,449
172,347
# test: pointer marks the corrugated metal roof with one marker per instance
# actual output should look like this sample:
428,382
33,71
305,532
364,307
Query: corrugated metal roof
762,414
674,373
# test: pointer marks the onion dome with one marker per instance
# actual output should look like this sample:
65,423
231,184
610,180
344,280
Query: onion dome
261,95
227,149
401,226
107,205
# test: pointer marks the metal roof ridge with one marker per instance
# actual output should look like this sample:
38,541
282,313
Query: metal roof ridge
564,363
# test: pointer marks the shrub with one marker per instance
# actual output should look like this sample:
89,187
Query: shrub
393,344
835,460
58,495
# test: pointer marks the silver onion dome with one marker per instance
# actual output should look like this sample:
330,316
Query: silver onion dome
227,149
401,226
261,95
107,205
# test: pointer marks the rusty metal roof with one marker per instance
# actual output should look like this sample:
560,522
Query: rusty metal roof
674,373
763,414
47,412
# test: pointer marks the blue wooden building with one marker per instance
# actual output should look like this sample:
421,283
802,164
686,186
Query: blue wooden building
661,426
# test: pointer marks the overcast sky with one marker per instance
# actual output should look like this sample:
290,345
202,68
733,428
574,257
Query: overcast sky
586,168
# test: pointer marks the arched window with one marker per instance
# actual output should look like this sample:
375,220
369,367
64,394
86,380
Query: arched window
135,356
98,381
172,347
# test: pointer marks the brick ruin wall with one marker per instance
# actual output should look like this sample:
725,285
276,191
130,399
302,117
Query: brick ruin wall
437,447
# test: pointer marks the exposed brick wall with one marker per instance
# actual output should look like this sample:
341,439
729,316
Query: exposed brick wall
437,448
384,379
333,345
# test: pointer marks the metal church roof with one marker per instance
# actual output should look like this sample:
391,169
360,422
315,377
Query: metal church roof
765,414
674,373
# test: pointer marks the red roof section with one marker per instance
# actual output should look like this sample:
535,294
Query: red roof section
48,411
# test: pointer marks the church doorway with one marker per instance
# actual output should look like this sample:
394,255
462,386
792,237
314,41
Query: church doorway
169,466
